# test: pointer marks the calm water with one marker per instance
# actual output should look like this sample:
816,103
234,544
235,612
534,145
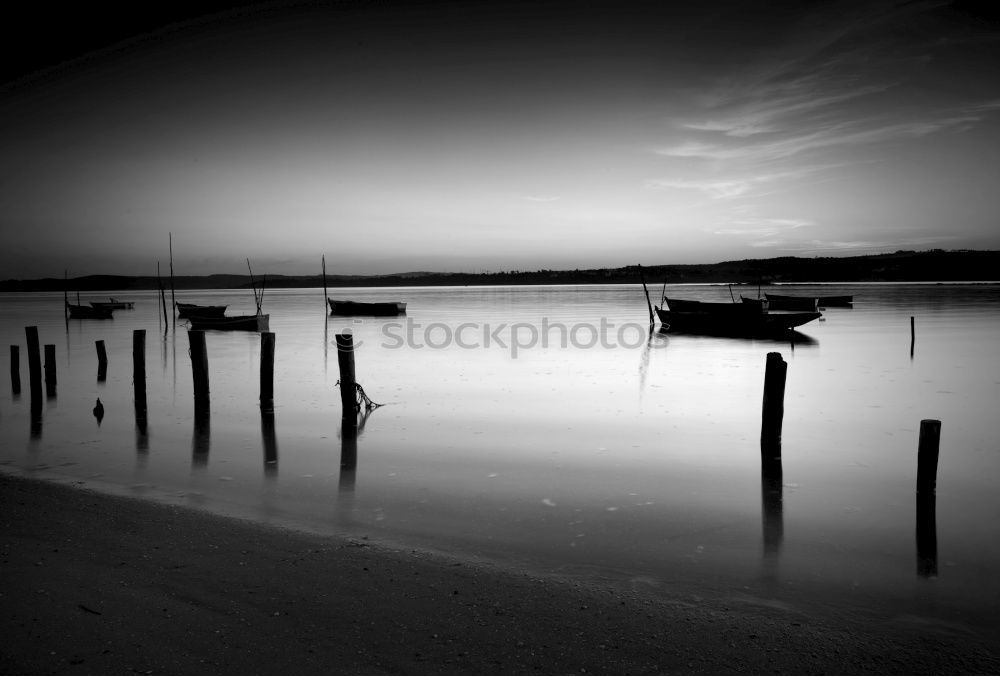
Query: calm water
633,458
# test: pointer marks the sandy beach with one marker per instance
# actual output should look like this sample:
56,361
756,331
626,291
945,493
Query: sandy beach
100,584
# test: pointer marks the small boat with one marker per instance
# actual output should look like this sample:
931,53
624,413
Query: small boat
257,322
87,312
113,304
348,308
749,318
188,310
780,302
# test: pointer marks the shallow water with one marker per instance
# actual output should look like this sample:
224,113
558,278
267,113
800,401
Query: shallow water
545,427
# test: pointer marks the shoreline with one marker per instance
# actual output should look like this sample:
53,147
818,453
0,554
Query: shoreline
95,583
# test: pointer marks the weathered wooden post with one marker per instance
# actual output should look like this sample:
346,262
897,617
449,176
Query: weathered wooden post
34,360
267,371
348,383
50,371
199,370
139,374
649,305
913,335
773,408
102,361
15,369
927,456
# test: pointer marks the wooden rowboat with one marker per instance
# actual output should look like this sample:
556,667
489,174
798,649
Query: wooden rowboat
87,312
352,308
749,318
258,322
188,310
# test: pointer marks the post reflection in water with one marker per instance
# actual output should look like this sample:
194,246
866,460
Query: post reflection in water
270,440
927,556
350,430
141,434
772,509
201,439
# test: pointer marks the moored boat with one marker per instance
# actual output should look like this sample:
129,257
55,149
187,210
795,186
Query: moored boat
257,322
377,309
188,310
113,304
87,312
749,318
798,303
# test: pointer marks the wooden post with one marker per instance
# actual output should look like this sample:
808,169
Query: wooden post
649,305
15,369
348,387
50,371
927,456
173,297
102,361
139,373
34,361
326,302
199,369
773,408
913,335
267,371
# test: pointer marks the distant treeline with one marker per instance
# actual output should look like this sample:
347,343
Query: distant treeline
901,266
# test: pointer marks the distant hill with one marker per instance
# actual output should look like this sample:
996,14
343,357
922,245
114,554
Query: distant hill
901,266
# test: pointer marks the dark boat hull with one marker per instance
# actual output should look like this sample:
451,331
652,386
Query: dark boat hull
86,312
347,308
796,303
729,319
188,310
235,323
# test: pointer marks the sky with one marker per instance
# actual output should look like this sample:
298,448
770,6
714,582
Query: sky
394,136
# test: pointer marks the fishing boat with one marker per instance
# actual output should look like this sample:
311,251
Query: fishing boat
258,322
348,308
749,318
113,304
188,310
780,302
87,312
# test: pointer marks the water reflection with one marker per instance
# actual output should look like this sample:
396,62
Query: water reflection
15,371
350,430
927,556
772,507
201,438
98,411
270,440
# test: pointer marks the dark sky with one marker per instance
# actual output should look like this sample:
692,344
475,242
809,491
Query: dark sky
470,135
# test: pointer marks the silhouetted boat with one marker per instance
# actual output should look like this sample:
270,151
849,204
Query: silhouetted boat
797,303
87,312
350,307
188,310
257,322
749,318
780,302
113,304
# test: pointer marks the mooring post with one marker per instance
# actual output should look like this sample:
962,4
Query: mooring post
139,373
348,386
267,371
199,369
34,360
913,335
15,369
773,408
50,371
102,361
927,456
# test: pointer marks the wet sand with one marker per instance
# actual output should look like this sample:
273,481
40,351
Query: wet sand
92,583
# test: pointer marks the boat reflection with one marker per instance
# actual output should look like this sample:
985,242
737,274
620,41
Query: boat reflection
270,441
201,438
791,337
